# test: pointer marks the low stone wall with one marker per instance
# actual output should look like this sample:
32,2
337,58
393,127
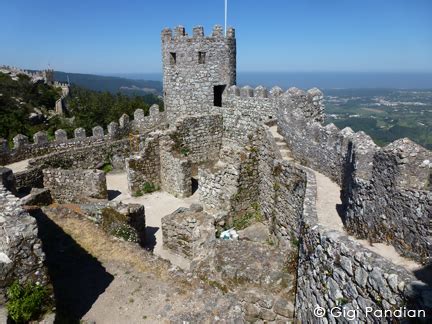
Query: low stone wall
90,157
145,167
199,137
124,221
187,232
217,187
31,178
75,186
21,255
335,271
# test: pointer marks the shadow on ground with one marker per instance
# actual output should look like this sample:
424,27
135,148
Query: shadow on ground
112,194
77,277
150,238
425,274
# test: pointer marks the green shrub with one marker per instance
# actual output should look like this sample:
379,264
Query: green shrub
25,302
138,193
107,167
184,151
149,187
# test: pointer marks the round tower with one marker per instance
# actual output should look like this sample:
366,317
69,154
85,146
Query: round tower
196,69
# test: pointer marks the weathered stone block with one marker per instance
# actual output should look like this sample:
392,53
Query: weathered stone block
187,232
80,133
20,141
40,138
60,135
98,132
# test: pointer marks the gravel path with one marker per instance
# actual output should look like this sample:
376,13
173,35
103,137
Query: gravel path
157,205
18,166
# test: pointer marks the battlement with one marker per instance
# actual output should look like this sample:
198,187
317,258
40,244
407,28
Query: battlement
179,33
42,144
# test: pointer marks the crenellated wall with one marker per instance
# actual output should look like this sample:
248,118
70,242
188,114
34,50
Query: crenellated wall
392,202
41,145
385,191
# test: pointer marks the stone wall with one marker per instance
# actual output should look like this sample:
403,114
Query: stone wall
281,190
123,221
7,180
21,255
75,186
176,170
145,166
41,145
199,137
193,66
323,148
335,271
229,185
90,157
30,178
394,204
385,192
187,232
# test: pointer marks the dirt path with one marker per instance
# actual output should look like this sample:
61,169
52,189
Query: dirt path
18,166
328,198
157,205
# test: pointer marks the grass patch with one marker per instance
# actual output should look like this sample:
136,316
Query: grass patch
107,167
253,215
147,187
116,224
26,302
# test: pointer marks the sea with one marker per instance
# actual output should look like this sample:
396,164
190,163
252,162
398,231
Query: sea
323,80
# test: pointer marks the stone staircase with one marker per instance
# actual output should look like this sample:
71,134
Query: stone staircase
281,144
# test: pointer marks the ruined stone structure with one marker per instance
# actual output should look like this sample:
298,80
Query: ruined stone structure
21,255
227,141
46,76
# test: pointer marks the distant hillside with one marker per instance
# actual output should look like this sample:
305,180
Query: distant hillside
111,84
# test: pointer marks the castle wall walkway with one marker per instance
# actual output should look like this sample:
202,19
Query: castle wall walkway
327,203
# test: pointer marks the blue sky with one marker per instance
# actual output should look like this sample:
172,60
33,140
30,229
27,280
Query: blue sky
94,36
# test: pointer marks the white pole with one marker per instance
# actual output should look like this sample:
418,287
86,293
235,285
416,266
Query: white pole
226,16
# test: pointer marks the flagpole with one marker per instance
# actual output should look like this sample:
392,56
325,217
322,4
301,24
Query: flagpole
226,16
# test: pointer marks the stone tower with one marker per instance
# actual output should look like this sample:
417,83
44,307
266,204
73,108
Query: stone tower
196,69
48,75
